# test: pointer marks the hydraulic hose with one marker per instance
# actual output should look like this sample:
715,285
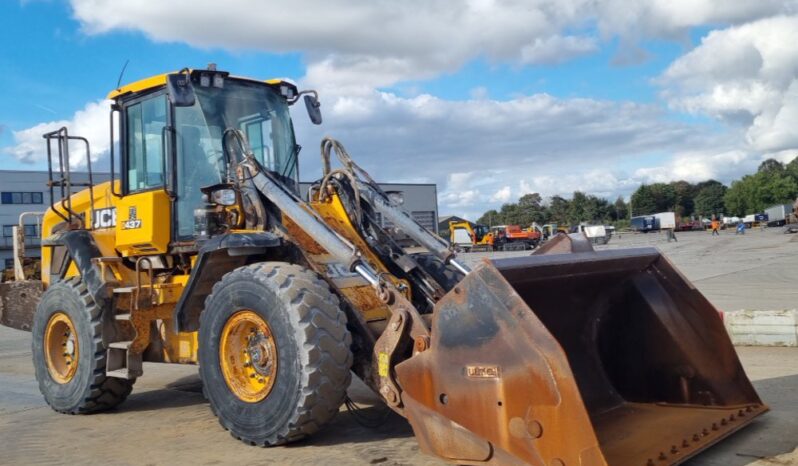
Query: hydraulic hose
379,201
293,207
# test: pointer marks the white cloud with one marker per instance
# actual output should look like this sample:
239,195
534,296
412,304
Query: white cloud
91,122
744,74
557,49
484,152
504,194
671,18
694,166
380,42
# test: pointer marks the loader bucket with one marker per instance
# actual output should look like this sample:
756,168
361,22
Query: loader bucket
18,300
576,358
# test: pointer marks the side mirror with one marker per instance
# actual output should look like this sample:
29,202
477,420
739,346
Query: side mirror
180,90
313,106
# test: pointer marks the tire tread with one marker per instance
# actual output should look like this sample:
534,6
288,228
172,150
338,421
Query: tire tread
101,393
325,353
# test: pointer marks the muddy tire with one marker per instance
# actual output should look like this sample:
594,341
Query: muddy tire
446,275
288,376
69,354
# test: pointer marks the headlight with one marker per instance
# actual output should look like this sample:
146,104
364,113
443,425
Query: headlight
223,197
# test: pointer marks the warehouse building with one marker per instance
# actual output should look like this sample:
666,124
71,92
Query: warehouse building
27,191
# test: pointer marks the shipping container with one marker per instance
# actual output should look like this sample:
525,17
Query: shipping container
777,215
644,223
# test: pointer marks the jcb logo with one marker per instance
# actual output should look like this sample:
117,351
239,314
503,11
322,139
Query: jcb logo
132,221
104,218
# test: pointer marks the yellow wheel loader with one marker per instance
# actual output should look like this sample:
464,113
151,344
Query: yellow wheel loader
202,252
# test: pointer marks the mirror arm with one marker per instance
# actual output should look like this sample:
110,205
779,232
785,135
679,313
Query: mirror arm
301,93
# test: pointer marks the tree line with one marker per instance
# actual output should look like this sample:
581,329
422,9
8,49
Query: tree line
773,183
531,208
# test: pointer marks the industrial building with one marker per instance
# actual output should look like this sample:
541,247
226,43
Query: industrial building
27,191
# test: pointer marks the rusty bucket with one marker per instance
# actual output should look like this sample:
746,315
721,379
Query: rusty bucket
582,358
18,300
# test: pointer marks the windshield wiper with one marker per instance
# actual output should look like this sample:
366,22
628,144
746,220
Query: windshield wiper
294,154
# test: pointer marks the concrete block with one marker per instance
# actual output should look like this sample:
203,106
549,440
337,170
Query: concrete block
762,328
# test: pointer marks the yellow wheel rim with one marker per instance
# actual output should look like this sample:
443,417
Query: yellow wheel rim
61,348
248,356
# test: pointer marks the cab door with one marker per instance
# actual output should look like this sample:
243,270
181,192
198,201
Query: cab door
144,216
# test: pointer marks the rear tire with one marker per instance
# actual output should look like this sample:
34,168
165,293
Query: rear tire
80,386
309,353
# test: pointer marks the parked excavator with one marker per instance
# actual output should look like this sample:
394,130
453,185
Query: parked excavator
200,251
471,237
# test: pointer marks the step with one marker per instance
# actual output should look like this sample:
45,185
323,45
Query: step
121,363
124,345
119,374
110,260
124,290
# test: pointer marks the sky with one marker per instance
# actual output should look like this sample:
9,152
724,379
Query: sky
489,99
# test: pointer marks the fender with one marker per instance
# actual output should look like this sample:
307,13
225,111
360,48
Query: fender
216,257
81,249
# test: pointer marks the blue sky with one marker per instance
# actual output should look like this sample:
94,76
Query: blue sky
457,104
59,68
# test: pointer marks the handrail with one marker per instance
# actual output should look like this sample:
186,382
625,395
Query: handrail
18,242
65,184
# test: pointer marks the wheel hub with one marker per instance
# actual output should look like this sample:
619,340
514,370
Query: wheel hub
260,353
248,356
61,348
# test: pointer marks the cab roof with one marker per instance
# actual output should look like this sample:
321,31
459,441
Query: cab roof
159,80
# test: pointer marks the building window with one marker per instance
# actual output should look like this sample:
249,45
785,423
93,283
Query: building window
31,231
21,198
425,217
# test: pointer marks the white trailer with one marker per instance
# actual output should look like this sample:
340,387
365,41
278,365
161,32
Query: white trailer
666,220
778,214
597,234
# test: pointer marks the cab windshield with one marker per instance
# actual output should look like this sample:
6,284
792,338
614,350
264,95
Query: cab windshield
254,108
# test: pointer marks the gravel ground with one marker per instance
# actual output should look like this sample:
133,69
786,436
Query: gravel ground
167,421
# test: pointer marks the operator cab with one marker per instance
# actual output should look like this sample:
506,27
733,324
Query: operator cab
173,141
480,231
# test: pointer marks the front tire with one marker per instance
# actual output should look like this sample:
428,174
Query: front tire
69,354
274,353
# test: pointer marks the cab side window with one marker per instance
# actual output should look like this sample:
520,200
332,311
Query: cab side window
145,147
